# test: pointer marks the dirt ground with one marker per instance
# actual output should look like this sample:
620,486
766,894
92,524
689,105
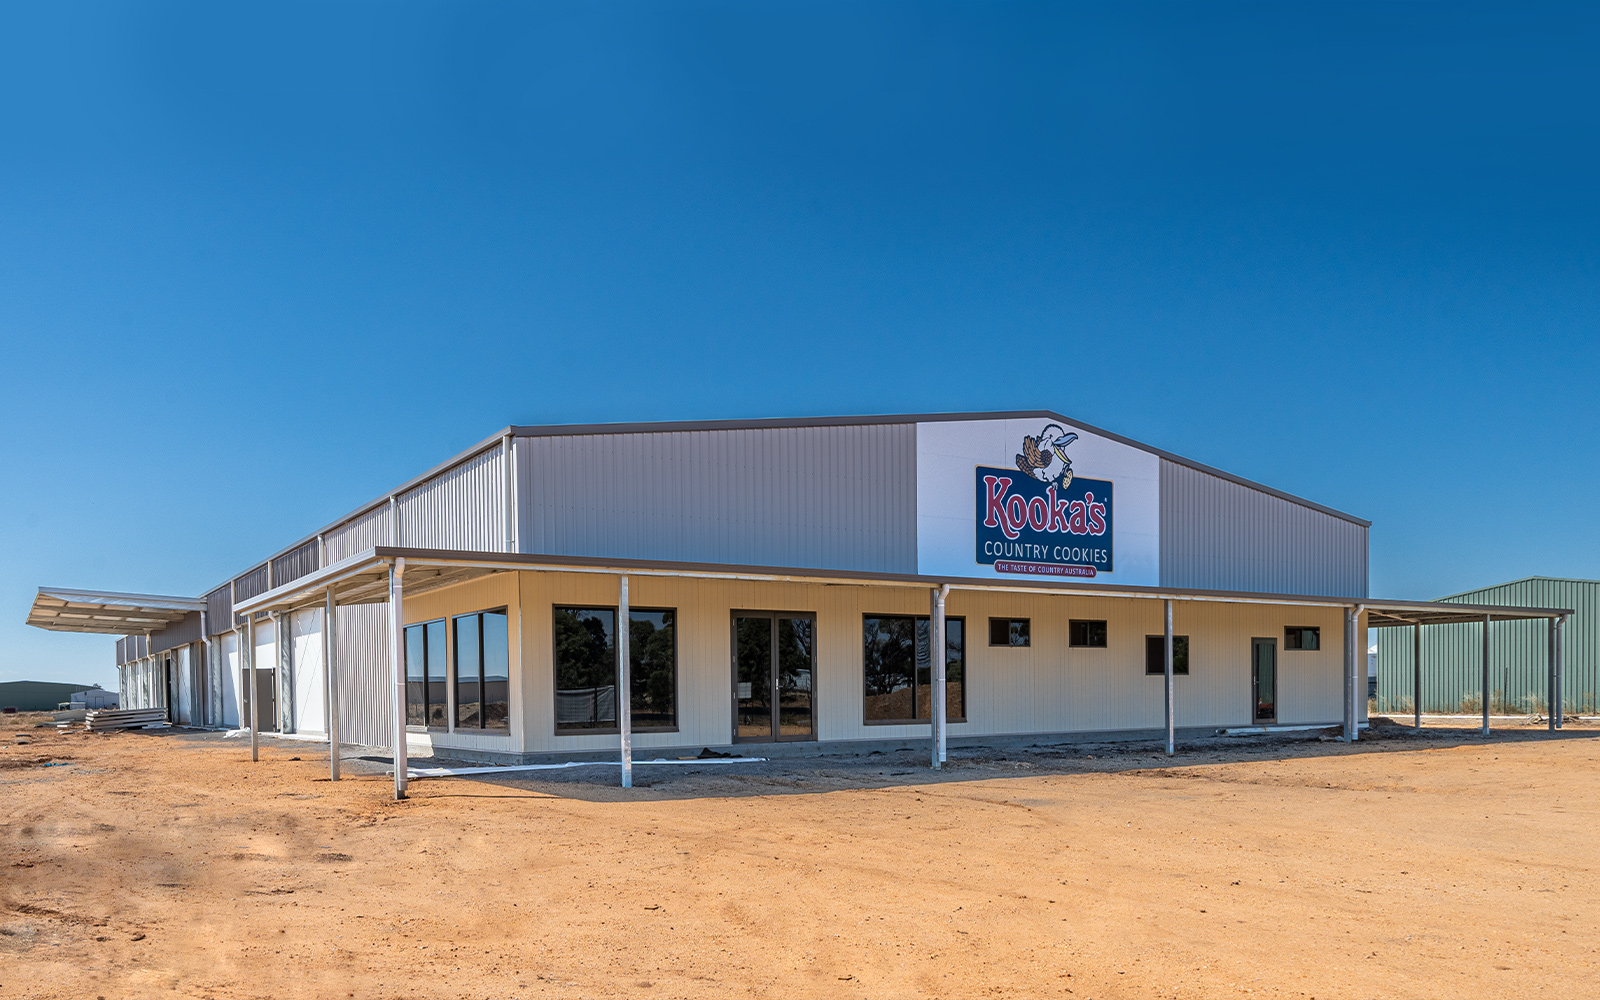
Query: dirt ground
1433,865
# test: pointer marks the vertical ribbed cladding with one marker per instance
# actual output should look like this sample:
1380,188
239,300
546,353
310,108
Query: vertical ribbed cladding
363,674
250,584
462,508
219,610
359,533
1217,534
179,633
1452,678
297,562
832,497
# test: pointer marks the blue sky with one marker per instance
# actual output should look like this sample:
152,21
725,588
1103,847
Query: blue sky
260,263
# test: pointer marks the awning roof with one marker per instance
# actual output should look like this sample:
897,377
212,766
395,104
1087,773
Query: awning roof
363,579
108,613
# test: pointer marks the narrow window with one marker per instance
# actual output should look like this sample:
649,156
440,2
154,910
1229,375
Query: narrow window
483,670
1009,632
426,664
898,681
1155,654
1302,637
1091,634
586,669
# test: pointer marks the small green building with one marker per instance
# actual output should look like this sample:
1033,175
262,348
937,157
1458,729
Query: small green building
1452,671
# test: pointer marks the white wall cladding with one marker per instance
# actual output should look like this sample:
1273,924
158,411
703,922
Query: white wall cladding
362,669
461,508
305,631
357,534
839,497
1217,534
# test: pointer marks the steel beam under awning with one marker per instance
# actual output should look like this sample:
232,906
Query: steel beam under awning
104,612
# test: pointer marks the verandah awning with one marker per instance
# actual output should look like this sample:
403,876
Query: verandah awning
108,613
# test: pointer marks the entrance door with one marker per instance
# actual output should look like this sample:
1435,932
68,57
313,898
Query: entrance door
774,666
1264,671
169,685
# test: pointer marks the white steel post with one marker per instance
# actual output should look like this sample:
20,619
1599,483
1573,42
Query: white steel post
330,655
1485,675
397,673
1561,672
936,674
1416,675
1167,682
1550,674
1352,717
624,697
253,691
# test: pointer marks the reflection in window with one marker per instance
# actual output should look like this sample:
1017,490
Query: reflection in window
483,671
898,681
1155,654
426,685
586,668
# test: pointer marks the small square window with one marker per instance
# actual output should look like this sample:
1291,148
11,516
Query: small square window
1091,634
1302,637
1009,632
1155,654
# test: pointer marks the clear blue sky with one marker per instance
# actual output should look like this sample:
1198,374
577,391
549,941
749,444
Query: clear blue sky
260,263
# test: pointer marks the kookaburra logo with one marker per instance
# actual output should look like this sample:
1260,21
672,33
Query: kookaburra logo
1041,452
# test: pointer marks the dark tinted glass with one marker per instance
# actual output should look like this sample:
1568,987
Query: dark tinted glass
586,668
796,663
1299,637
753,641
955,668
438,663
496,661
653,666
1087,633
1009,632
1155,654
467,644
889,661
416,684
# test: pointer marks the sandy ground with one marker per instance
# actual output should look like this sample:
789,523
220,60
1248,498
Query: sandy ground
166,864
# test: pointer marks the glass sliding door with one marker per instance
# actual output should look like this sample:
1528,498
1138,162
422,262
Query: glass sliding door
775,658
1264,671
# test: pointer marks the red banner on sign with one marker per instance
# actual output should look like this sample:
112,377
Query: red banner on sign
1041,569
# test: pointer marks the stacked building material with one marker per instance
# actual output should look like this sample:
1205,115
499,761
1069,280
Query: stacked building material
106,719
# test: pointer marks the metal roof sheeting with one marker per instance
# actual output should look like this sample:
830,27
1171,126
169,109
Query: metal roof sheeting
104,612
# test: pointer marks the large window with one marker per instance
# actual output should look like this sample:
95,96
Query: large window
896,658
483,673
427,666
586,669
1155,654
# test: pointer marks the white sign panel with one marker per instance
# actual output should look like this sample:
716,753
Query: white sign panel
1036,499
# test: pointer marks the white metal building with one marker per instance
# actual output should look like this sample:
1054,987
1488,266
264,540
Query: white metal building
783,582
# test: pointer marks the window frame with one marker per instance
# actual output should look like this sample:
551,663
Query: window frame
555,681
1160,661
1105,633
1298,631
449,675
453,640
966,665
1011,632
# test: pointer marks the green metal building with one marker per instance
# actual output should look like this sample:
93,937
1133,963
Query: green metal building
1519,652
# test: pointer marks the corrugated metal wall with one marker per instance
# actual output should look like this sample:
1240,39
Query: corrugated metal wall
836,497
297,562
179,634
363,532
463,508
1220,535
362,670
1452,655
251,583
219,610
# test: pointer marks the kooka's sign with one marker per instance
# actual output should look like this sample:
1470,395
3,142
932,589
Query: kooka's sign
1041,519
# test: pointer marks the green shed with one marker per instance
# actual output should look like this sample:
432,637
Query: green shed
1452,671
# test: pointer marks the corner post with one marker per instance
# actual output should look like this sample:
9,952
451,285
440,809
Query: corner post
1485,664
625,682
1352,714
1416,675
1561,672
1167,686
936,674
397,673
330,656
1550,674
254,692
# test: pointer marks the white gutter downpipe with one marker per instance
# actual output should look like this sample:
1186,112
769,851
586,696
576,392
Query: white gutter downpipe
937,663
1167,657
397,673
330,698
1352,687
625,681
